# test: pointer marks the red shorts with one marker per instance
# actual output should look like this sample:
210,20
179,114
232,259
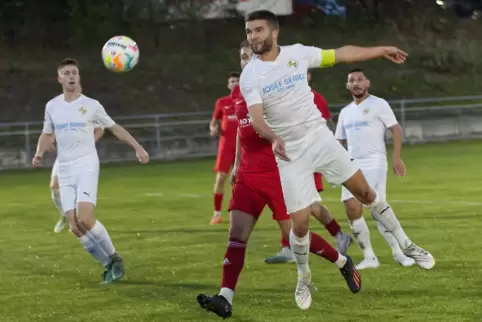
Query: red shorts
226,155
318,182
252,192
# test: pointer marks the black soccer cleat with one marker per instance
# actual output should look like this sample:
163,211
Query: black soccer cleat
351,275
216,304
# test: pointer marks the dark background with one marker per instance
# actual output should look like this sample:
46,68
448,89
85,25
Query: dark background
184,62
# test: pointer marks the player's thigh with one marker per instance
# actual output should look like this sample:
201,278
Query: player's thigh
297,183
333,161
87,196
245,199
272,193
241,225
68,197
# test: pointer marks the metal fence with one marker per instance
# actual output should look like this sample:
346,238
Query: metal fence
186,135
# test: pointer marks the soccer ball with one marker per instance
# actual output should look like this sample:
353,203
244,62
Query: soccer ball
120,54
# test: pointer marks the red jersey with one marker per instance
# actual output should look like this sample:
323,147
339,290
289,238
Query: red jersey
225,112
256,153
322,105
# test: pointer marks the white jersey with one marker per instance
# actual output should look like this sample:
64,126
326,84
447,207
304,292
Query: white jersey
73,125
363,126
282,87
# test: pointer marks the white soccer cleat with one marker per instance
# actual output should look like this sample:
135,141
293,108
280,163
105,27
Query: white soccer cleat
404,260
60,224
367,263
303,292
423,258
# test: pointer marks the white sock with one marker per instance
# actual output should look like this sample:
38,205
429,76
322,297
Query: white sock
93,249
227,293
341,261
360,230
383,213
300,246
55,194
390,239
102,237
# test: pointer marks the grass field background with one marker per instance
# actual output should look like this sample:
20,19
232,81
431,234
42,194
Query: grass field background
158,217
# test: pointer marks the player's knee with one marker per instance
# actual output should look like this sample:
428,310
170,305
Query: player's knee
301,222
353,209
85,215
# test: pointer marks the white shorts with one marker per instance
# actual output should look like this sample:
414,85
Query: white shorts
78,185
325,155
377,180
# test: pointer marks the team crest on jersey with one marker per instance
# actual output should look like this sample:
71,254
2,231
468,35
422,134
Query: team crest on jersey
82,110
292,63
366,110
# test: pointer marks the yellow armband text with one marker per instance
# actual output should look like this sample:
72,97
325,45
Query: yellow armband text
328,58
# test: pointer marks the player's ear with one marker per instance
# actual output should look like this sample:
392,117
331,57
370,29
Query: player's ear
368,83
59,80
347,85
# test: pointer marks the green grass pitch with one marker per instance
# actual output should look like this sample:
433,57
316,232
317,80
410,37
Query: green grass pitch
158,217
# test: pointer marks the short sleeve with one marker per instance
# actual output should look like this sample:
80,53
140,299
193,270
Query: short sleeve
317,57
386,114
322,105
340,133
218,110
101,117
249,89
48,123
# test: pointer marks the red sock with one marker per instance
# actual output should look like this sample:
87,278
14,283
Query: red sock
333,227
233,263
218,201
284,241
319,246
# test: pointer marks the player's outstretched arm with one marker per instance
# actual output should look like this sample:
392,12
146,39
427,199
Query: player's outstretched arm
123,135
350,54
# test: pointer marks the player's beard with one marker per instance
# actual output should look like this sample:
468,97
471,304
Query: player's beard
266,46
359,94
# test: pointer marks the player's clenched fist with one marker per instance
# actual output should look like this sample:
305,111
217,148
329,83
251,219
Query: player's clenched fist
142,156
37,161
279,149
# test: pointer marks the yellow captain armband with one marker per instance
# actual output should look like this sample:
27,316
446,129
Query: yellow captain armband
328,58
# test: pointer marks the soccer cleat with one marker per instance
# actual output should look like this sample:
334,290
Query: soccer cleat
343,241
351,275
216,304
285,256
303,292
423,258
371,262
117,267
404,260
216,220
106,277
60,224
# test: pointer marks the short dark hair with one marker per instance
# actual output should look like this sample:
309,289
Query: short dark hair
244,44
234,75
68,62
356,70
263,15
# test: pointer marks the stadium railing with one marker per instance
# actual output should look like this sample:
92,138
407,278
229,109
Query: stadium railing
185,135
